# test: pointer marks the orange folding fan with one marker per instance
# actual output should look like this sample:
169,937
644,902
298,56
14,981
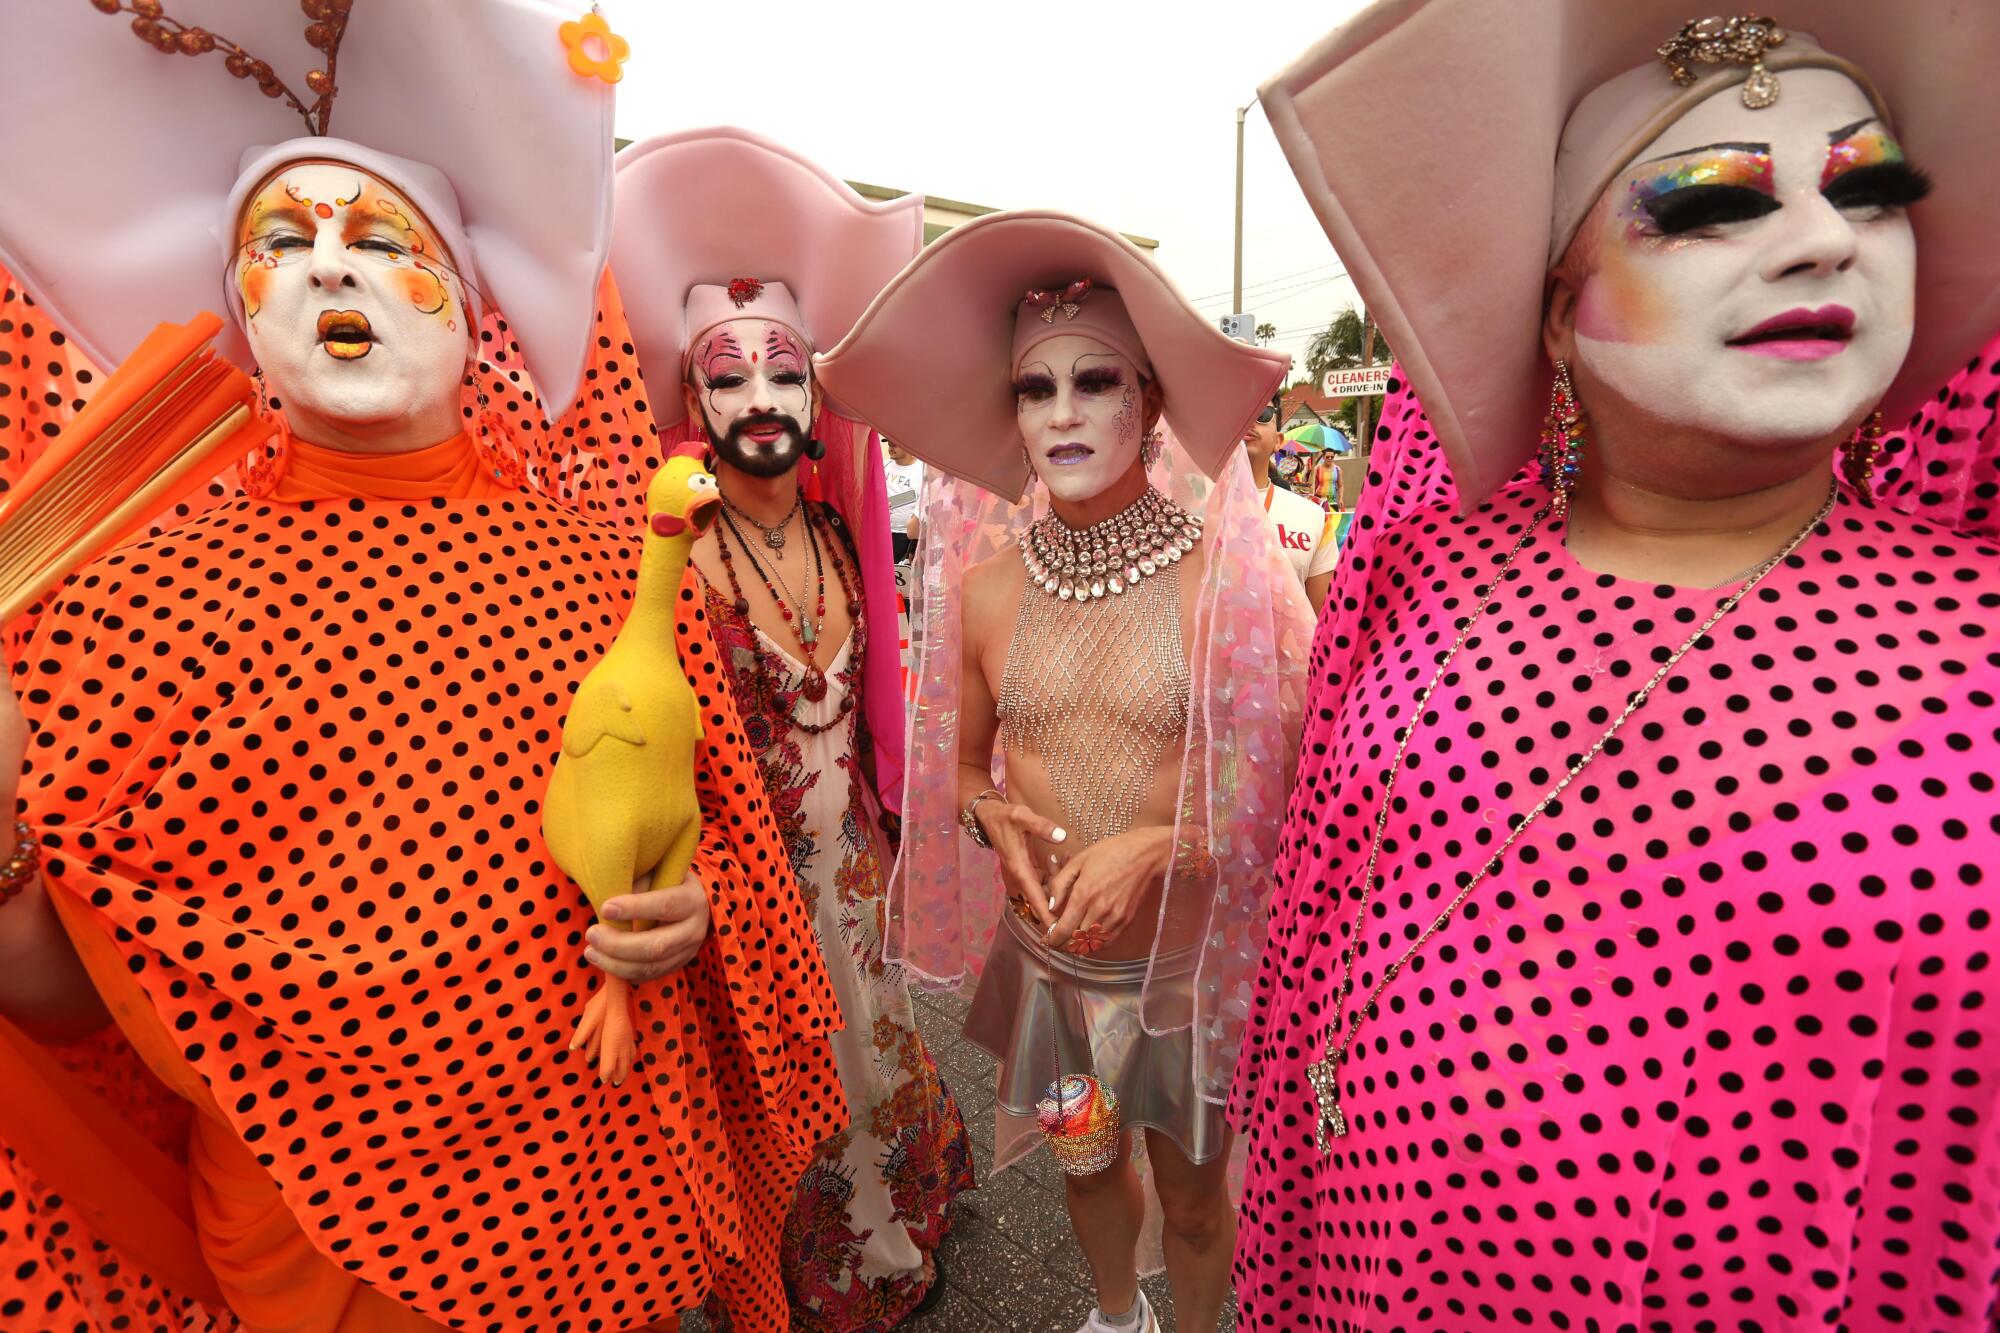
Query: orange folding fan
152,434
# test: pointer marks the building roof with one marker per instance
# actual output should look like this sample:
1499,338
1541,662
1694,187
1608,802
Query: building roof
1309,398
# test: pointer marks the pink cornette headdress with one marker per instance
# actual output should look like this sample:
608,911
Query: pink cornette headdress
516,180
718,224
964,423
1518,113
710,304
1081,308
956,322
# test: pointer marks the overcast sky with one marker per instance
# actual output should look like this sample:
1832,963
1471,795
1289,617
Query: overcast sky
1121,111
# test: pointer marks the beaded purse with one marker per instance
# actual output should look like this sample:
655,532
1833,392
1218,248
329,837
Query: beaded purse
1079,1117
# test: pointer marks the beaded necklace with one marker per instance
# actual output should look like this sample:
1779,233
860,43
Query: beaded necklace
814,684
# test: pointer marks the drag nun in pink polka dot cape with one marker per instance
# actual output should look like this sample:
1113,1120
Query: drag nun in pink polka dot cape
1630,948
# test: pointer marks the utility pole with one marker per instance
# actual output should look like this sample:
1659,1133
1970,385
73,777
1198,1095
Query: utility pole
1236,307
1366,444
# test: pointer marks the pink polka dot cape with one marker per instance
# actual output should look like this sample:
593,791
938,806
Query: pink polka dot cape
1712,1049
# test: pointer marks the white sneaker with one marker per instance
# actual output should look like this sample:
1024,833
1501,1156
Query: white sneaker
1145,1323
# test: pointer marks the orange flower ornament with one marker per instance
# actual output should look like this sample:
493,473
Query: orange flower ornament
594,50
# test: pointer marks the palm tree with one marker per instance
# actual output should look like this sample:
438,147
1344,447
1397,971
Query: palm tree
1337,346
1351,340
1265,333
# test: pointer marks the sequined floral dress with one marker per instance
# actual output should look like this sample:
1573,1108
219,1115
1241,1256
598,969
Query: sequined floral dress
1711,1049
875,1202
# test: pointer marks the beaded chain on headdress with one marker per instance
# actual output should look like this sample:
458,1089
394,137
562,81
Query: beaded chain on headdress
326,25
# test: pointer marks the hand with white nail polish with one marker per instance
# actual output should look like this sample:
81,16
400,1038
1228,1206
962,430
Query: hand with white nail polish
1009,827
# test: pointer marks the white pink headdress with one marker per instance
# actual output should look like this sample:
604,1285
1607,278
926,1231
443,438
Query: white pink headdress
1524,109
720,224
955,321
119,210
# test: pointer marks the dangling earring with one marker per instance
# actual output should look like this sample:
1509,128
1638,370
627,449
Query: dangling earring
1858,453
1151,447
491,439
814,449
259,470
1562,438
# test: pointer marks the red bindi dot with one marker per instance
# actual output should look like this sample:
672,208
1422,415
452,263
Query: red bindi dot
753,358
324,210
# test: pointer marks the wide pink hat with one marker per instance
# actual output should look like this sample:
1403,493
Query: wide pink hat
704,209
1452,147
119,207
931,363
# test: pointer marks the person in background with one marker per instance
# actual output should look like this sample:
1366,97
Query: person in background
906,490
1307,533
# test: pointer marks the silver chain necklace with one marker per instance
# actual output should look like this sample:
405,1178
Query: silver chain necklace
774,534
1105,559
1324,1073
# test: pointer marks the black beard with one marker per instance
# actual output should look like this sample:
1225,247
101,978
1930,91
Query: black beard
758,460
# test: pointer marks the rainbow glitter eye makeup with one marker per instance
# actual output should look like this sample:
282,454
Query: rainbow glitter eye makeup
1697,190
1866,172
1863,145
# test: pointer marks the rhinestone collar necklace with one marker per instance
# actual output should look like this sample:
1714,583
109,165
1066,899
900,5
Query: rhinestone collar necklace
1103,560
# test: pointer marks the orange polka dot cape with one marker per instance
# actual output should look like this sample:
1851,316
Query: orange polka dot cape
289,756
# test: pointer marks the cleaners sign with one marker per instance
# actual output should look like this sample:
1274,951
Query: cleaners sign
1360,382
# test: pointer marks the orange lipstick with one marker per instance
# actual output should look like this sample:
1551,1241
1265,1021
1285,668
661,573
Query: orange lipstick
345,334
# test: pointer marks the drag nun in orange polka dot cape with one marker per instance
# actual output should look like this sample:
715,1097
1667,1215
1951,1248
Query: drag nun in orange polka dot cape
287,753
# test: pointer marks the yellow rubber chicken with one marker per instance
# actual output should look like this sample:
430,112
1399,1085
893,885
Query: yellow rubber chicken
621,812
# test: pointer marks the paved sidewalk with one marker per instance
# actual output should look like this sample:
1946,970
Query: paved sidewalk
1010,1266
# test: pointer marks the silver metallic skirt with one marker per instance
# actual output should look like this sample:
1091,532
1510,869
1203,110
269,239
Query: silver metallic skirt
1030,1001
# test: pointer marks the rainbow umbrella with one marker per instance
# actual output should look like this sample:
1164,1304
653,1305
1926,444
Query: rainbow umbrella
1320,439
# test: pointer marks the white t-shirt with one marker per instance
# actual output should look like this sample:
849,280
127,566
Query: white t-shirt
906,487
1305,531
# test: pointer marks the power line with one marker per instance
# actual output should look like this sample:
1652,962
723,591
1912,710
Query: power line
1280,294
1267,291
1271,295
1267,282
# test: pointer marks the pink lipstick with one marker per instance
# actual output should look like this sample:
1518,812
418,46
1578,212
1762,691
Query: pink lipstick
1802,334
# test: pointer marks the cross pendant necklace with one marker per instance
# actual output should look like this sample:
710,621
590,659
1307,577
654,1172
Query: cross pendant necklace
1324,1075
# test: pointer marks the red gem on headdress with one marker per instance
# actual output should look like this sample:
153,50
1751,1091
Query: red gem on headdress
744,290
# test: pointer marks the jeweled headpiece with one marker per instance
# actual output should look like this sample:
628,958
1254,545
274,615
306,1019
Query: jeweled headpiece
326,24
1742,39
1069,302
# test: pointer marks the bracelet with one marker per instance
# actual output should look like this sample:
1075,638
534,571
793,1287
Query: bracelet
968,819
22,866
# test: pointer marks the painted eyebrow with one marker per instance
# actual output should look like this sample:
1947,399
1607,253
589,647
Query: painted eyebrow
1835,136
296,214
1713,148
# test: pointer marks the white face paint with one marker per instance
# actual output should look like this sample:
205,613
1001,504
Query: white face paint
351,306
1752,275
751,380
1081,409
